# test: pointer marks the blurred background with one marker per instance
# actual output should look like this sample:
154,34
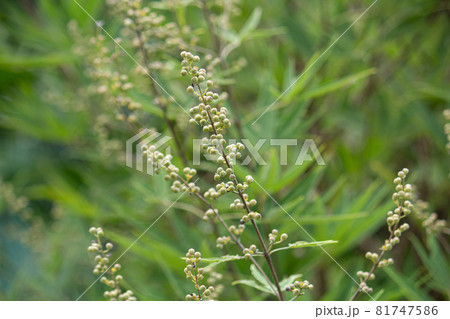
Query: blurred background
373,104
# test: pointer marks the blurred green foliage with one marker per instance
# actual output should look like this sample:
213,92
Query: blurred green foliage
373,103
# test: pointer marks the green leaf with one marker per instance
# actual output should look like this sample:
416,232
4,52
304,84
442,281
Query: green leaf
258,276
254,284
302,244
12,62
434,262
251,23
407,285
235,40
314,219
337,85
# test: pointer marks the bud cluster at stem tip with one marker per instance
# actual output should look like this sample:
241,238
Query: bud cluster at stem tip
195,273
402,198
109,276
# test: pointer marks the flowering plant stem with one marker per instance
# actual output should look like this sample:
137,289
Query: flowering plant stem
241,196
110,273
375,265
402,210
277,290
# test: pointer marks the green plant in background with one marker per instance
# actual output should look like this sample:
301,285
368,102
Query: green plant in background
447,127
68,104
402,199
430,220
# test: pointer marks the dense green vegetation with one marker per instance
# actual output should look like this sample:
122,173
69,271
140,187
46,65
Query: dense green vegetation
373,103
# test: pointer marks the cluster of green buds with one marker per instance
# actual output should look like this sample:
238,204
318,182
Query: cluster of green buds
160,161
237,204
209,214
429,220
364,287
402,198
250,216
365,275
248,252
149,30
211,194
107,81
195,274
274,235
110,276
298,287
222,241
212,118
382,263
237,230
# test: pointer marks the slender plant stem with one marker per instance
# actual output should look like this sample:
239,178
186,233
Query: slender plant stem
196,282
236,240
375,265
241,195
269,259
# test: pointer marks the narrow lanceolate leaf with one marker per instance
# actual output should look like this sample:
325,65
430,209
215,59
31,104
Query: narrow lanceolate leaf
302,244
258,276
254,284
214,261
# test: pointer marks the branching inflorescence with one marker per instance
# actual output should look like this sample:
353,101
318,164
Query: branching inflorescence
429,220
195,273
214,120
402,199
110,276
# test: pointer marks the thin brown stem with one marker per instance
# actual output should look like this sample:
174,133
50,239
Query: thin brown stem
196,282
375,265
241,196
269,259
236,240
